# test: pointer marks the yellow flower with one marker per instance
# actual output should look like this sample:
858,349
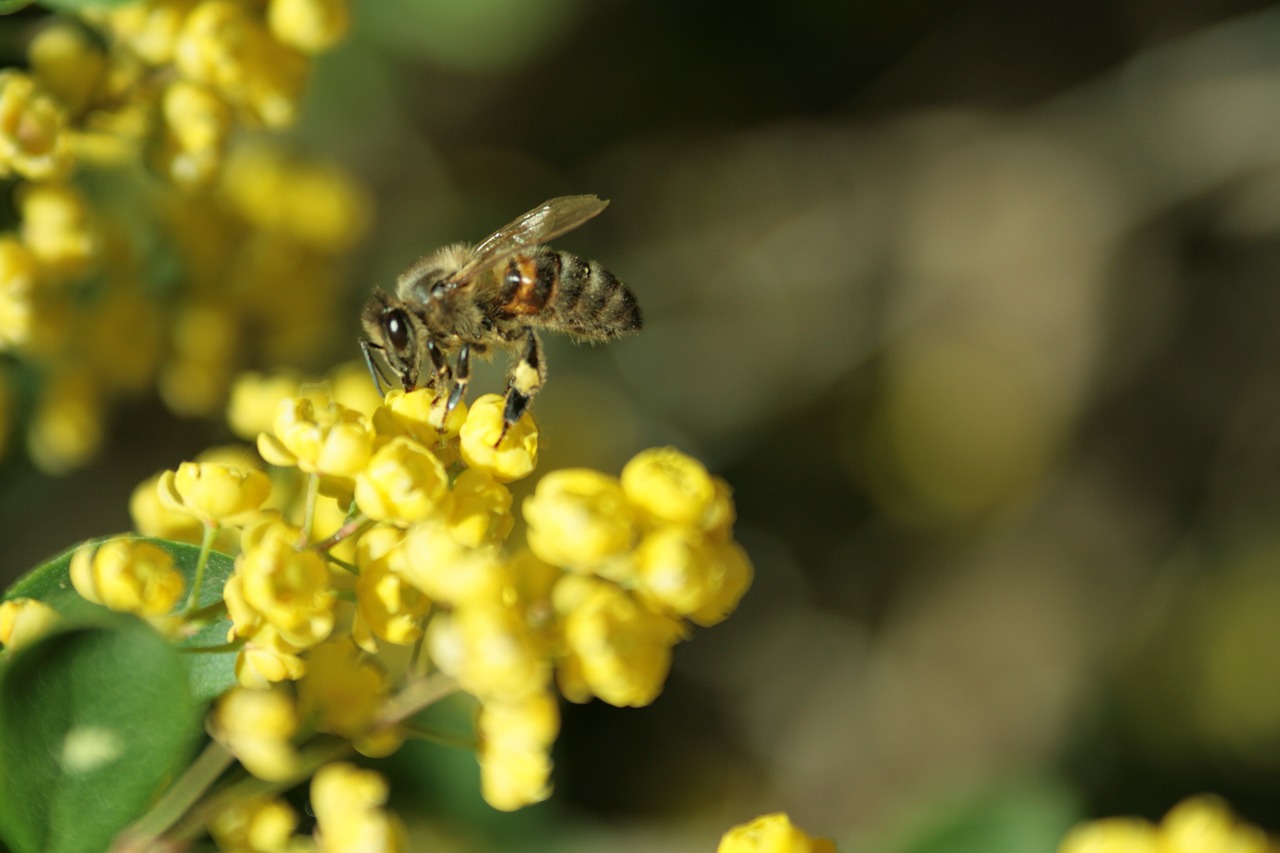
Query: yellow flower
616,648
446,570
265,658
669,485
198,123
128,575
411,413
57,226
403,481
24,620
342,690
515,744
692,576
216,493
515,456
150,28
67,63
490,651
258,825
348,804
33,137
255,398
579,519
258,726
1196,825
387,606
18,278
277,584
772,833
66,430
481,512
334,442
309,25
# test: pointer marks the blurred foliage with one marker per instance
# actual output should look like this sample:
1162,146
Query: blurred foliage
973,303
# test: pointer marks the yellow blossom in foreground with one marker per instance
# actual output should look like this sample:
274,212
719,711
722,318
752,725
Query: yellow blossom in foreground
33,136
616,648
515,744
669,485
348,804
448,571
258,825
257,726
265,658
128,575
1202,824
512,458
772,833
481,510
410,413
579,519
403,481
215,493
24,620
277,584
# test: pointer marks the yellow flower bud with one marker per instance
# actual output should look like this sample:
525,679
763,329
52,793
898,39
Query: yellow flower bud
150,28
266,659
668,485
284,587
411,413
255,397
67,63
490,650
24,620
690,575
1113,835
481,511
515,744
152,517
515,456
312,26
403,481
772,833
387,606
619,649
66,431
348,804
342,690
57,227
579,519
216,493
18,279
258,726
335,441
448,571
128,575
254,825
33,137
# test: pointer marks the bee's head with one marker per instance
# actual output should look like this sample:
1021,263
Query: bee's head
390,327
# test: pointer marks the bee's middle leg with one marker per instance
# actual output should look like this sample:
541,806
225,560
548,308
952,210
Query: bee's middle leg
524,381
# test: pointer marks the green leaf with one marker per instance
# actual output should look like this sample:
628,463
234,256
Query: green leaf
210,673
7,6
94,722
78,6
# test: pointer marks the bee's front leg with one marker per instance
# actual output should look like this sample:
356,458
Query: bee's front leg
523,382
461,376
442,382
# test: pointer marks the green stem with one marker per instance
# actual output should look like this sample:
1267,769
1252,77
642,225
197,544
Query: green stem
352,527
209,613
221,648
415,696
206,769
309,516
206,545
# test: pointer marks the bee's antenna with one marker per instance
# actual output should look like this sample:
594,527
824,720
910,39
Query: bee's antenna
375,371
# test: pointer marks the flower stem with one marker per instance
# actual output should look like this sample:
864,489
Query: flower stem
309,516
351,528
203,772
206,545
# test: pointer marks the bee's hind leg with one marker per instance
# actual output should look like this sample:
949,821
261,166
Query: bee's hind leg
523,382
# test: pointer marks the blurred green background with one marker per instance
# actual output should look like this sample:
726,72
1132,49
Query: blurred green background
974,304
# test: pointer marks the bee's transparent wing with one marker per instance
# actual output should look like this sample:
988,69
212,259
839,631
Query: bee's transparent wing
545,222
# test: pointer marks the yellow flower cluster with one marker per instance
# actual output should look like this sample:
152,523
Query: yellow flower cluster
772,833
129,92
1203,824
378,532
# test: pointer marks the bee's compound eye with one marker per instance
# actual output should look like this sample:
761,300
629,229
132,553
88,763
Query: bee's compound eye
397,327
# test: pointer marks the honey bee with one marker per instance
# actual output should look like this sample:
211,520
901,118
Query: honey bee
464,300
